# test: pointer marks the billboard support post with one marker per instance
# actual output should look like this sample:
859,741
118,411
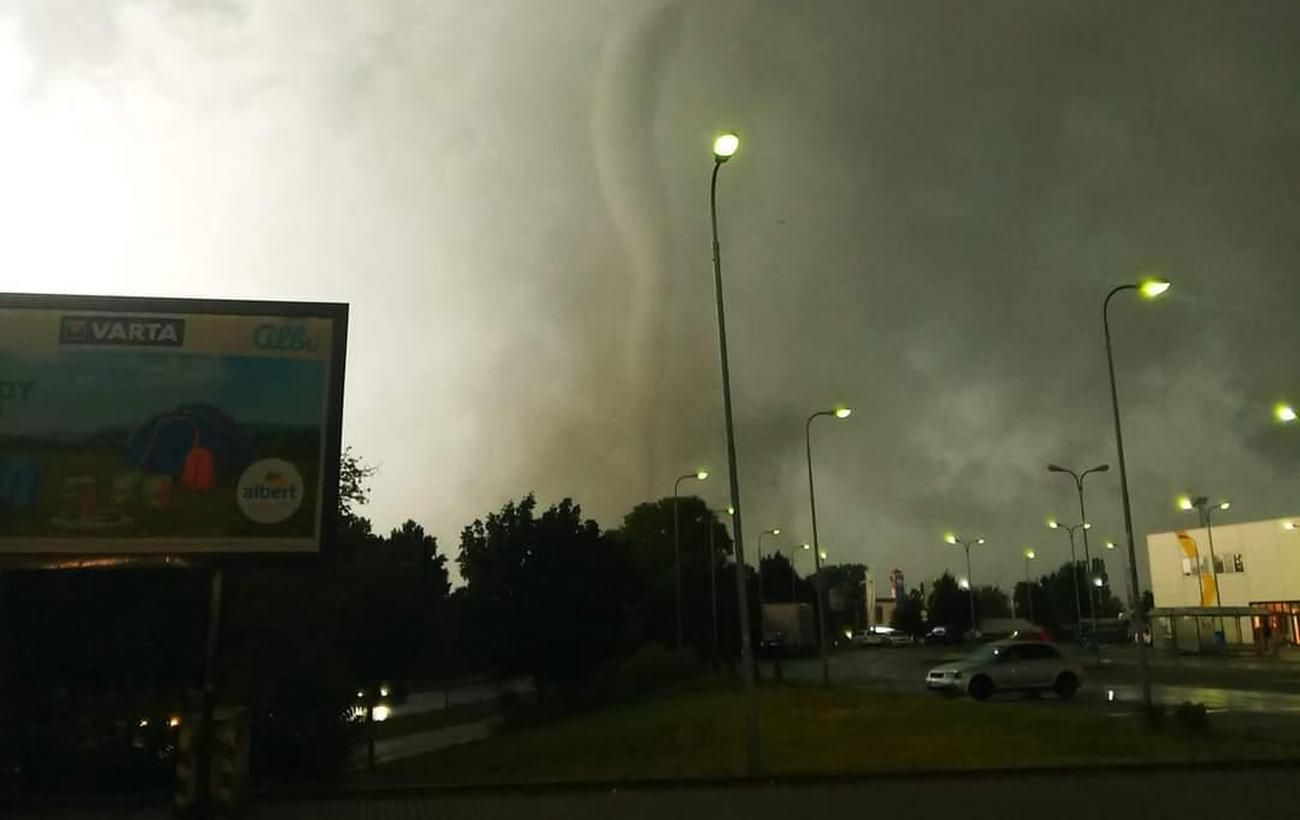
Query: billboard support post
208,702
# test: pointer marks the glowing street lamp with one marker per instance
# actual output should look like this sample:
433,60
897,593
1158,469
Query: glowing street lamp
951,538
724,148
1132,599
773,531
1284,413
838,413
1029,587
1150,289
698,475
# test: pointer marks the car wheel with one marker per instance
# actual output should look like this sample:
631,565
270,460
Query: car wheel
981,687
1066,685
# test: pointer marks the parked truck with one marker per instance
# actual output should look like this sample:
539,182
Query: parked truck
788,629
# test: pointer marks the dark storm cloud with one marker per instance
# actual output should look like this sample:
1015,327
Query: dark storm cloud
930,202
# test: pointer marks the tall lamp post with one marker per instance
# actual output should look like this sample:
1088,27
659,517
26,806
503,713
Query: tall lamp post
838,413
950,538
1205,511
1074,566
1131,596
1150,289
1083,516
1029,587
698,475
713,574
794,576
724,148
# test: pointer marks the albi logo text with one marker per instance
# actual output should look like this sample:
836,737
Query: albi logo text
122,330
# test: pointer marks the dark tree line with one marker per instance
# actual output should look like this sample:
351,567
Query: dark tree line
548,594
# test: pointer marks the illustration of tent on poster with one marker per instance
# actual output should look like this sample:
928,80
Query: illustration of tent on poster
194,447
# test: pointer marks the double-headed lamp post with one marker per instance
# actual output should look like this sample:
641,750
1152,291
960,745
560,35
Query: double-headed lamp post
1205,511
725,146
1083,516
1149,289
952,539
837,413
1052,523
1029,587
698,475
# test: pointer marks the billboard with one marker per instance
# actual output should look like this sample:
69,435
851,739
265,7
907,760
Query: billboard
136,427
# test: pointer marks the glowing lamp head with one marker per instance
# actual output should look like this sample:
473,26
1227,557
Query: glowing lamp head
842,412
1110,545
979,540
1289,526
1097,582
775,530
1030,554
1225,505
1153,287
823,555
949,538
731,510
702,474
1052,524
1185,503
1087,526
725,146
1284,413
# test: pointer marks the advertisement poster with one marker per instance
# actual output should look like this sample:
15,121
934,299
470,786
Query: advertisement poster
186,427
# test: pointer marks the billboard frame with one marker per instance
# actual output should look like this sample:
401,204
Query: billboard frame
337,313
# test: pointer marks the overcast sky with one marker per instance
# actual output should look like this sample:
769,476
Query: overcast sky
930,203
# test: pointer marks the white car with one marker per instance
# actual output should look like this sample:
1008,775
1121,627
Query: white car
1021,666
868,637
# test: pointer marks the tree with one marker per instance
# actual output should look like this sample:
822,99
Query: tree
646,537
949,605
907,614
992,602
543,593
845,598
354,475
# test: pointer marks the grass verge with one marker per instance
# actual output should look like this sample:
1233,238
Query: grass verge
811,731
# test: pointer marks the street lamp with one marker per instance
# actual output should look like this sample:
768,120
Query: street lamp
761,624
838,413
1205,512
1052,523
1150,289
1284,413
698,475
1083,516
1132,595
1029,588
713,575
794,550
724,148
950,538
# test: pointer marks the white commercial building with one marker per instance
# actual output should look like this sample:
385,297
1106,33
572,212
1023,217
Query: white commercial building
1252,586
